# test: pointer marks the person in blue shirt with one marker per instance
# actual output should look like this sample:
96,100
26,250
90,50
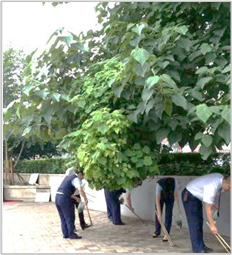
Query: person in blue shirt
113,205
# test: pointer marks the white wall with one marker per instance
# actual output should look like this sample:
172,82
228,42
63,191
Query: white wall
143,202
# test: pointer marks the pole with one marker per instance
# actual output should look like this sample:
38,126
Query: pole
89,215
134,213
165,231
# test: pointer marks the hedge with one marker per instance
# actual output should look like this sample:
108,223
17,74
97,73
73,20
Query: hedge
169,164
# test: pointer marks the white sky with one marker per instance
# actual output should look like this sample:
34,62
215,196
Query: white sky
28,25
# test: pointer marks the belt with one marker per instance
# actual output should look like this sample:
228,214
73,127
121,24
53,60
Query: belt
60,193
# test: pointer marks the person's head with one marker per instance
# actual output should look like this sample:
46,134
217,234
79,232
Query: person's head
70,171
226,183
80,173
137,182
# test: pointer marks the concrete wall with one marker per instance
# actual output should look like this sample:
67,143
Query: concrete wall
142,199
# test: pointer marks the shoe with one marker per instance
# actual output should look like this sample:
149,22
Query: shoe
120,223
75,236
85,226
165,240
65,237
208,249
204,251
155,235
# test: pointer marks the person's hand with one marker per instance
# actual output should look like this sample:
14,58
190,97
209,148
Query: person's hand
214,207
78,199
159,217
86,201
214,229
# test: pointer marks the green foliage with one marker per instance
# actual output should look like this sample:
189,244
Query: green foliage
164,66
42,166
185,164
102,147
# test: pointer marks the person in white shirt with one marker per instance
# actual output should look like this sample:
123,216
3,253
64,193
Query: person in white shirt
202,189
64,202
166,193
77,201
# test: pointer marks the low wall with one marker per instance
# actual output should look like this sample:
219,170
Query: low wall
143,198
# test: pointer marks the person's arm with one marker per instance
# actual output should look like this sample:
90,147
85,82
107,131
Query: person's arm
82,193
73,196
176,197
158,208
128,201
208,210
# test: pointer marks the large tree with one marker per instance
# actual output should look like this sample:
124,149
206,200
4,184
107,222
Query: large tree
154,71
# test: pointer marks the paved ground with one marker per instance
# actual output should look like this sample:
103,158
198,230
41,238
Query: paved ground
35,228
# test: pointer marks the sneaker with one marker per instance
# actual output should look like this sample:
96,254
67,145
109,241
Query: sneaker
155,235
75,236
208,249
85,226
120,223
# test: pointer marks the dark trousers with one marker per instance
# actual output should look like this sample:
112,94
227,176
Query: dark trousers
168,215
66,210
80,214
113,206
194,215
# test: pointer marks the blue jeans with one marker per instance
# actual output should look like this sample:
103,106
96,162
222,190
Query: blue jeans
194,214
168,215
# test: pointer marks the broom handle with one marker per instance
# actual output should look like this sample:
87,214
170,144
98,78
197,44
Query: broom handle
220,241
89,215
223,240
133,212
165,231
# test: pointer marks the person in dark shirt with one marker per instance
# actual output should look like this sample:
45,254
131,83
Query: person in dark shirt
166,193
113,205
64,202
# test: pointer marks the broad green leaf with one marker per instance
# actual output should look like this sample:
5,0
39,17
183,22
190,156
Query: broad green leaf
227,69
198,136
205,151
27,89
61,133
179,100
147,161
174,137
147,94
42,93
134,116
202,70
26,131
201,83
207,140
203,112
161,134
166,78
118,91
198,95
173,124
146,149
138,29
140,55
102,161
182,30
56,96
168,106
141,69
137,146
150,105
205,48
151,81
224,132
226,114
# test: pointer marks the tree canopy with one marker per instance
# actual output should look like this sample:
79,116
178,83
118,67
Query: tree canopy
154,71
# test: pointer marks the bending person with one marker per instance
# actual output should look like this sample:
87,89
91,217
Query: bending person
166,193
202,189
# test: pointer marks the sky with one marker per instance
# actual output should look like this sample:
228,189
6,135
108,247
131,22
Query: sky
29,25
